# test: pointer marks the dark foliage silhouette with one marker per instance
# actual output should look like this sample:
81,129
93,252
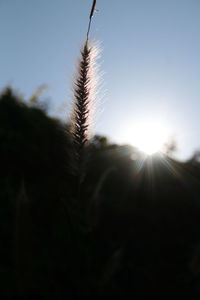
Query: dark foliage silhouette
144,241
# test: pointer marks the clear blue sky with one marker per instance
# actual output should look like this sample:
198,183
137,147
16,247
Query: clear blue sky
150,60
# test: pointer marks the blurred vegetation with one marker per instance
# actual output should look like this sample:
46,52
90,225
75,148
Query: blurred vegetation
142,214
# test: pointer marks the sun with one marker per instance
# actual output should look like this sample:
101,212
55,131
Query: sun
150,137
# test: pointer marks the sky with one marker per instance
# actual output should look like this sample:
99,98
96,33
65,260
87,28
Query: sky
149,63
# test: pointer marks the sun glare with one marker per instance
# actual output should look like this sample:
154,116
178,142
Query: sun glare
150,137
